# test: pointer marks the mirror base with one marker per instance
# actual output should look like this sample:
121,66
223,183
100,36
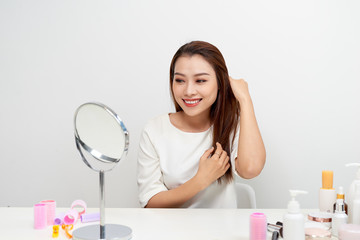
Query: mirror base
112,231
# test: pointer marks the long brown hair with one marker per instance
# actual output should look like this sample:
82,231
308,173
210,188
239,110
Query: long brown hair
225,111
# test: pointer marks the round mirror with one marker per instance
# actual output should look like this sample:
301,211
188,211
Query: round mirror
102,140
101,137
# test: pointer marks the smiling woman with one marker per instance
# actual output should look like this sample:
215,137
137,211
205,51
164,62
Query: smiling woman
188,158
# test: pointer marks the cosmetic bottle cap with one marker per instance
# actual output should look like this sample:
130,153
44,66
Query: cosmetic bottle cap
355,165
340,194
327,179
294,206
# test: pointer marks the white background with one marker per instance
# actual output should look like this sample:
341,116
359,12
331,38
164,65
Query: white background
300,58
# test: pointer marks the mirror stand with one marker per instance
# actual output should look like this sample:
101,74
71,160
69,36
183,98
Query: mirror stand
102,231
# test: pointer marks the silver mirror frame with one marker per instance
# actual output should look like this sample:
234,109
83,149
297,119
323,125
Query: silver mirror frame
97,155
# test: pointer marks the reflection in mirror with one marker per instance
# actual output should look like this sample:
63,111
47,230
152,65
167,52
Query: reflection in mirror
102,140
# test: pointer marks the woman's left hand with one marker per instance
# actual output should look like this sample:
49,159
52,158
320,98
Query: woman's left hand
240,89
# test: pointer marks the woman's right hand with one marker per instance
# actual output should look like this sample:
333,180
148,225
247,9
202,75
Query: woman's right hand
210,169
214,167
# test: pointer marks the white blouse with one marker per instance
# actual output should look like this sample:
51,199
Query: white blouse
169,157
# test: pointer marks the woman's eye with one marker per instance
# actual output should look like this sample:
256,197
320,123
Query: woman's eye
179,80
200,81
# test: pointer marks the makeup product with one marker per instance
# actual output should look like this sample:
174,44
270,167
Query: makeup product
293,224
324,218
339,217
327,195
90,217
341,195
258,225
351,192
349,232
317,234
313,224
40,216
356,205
50,211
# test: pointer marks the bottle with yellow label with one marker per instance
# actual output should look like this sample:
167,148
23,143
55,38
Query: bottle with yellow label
327,194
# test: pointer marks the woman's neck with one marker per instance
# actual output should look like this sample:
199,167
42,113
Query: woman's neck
199,123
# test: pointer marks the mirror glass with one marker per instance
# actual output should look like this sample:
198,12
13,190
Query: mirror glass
101,137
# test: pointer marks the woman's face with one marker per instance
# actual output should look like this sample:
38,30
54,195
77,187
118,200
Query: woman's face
194,85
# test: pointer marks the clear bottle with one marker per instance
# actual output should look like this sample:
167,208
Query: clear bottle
293,223
351,192
339,217
327,194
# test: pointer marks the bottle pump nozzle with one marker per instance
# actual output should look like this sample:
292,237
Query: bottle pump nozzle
294,206
293,193
355,165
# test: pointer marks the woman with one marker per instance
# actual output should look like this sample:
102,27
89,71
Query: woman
189,158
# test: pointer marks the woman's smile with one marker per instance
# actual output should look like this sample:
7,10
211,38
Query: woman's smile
192,102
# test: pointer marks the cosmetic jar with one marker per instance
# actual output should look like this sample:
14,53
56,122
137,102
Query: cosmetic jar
317,234
324,218
258,226
349,232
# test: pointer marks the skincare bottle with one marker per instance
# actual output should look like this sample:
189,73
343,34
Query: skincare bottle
327,194
356,205
341,195
351,192
339,217
293,224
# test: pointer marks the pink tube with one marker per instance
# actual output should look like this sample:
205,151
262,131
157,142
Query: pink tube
50,211
40,216
71,217
258,226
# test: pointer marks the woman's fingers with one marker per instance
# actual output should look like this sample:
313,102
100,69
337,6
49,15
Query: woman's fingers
226,163
207,153
219,149
222,157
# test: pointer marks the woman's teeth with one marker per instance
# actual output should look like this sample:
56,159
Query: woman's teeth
191,102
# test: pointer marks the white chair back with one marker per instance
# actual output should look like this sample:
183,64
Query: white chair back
245,196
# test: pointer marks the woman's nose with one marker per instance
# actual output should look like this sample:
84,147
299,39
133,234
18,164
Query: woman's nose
190,89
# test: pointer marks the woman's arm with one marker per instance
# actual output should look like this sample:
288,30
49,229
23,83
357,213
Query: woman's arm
251,150
210,169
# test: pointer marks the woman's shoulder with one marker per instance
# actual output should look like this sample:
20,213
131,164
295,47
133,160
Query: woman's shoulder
157,123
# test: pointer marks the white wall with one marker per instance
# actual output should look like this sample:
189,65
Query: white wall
301,60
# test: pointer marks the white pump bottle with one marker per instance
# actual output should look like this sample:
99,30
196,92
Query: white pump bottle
351,192
293,223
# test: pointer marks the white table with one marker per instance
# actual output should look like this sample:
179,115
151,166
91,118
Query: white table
157,224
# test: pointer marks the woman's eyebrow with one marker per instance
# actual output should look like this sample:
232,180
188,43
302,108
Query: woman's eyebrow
196,75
